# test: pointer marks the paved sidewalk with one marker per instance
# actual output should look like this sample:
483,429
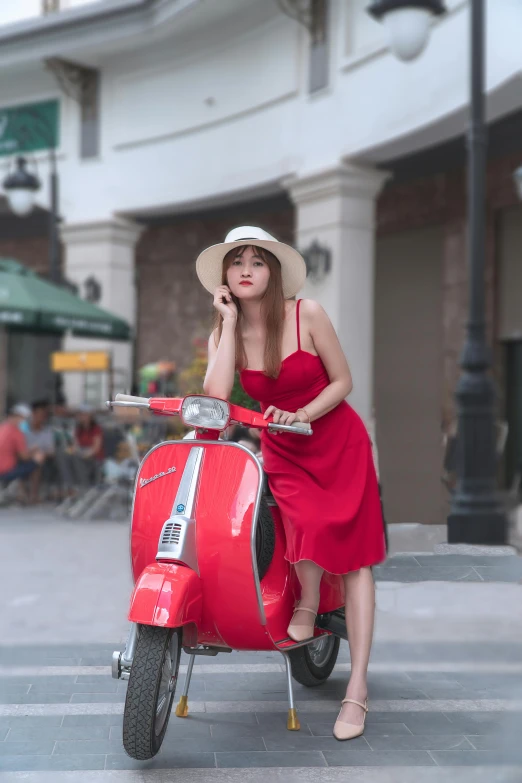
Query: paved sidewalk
445,676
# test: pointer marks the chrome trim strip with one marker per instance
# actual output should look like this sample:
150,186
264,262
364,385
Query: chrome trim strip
186,495
227,443
182,516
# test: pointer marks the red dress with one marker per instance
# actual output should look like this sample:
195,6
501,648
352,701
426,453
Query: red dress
325,484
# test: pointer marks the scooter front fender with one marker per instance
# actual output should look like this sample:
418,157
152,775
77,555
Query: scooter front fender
167,595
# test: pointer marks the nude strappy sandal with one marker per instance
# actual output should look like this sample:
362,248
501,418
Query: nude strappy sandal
299,633
348,731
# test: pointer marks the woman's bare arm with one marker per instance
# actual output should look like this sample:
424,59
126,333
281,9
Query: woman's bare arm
219,378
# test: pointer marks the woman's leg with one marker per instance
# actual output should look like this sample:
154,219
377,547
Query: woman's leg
360,613
309,575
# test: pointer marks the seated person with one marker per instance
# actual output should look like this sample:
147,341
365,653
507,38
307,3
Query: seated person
39,436
87,451
17,460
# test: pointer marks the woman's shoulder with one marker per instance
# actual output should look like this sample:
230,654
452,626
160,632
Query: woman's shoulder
311,309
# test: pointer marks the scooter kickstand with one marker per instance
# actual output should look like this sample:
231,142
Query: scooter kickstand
292,723
182,707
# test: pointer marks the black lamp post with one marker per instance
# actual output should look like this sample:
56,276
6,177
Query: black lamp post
477,515
21,187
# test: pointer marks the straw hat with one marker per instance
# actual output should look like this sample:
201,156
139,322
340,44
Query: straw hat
209,264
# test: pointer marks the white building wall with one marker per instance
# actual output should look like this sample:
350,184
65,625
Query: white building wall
222,113
18,10
227,109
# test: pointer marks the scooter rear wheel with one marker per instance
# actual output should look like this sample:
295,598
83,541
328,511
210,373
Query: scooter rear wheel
151,690
265,538
313,663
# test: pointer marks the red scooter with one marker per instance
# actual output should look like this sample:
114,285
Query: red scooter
207,549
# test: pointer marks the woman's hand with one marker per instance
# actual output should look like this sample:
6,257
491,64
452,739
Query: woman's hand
224,304
284,417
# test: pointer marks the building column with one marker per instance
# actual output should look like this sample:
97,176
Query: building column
103,250
336,208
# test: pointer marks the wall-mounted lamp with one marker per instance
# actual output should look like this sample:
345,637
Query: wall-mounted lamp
318,260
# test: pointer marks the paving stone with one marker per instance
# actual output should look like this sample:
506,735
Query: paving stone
92,720
30,720
37,698
324,729
420,742
96,698
427,573
12,691
47,682
224,718
31,748
429,723
227,695
58,733
175,761
219,744
497,561
480,723
3,733
227,730
292,740
478,758
109,686
374,758
52,763
270,759
501,741
84,747
398,561
94,677
500,574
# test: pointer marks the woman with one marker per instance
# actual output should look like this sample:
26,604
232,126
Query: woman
290,359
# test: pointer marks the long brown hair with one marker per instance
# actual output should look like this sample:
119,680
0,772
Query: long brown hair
272,309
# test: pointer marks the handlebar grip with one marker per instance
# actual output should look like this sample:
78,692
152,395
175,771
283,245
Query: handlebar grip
130,398
301,425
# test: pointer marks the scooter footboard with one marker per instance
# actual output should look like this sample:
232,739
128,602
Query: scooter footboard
166,595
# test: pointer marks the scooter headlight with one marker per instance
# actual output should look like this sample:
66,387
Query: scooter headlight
205,412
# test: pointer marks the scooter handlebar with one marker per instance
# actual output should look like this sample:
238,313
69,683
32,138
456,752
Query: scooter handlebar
128,401
130,398
298,428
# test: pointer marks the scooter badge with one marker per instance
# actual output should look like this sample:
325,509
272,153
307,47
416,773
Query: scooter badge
180,508
144,482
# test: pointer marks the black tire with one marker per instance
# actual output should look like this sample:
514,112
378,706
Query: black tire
265,538
158,652
313,663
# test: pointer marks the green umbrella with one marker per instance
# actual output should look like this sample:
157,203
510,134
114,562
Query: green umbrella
31,303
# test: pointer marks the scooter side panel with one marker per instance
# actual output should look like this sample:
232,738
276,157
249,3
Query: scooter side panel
224,515
166,595
157,483
227,491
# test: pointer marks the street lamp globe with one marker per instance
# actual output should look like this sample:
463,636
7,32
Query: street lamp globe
517,179
20,188
407,23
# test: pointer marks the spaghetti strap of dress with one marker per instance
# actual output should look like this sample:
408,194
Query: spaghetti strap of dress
298,330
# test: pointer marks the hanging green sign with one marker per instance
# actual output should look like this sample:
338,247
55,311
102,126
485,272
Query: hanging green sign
29,127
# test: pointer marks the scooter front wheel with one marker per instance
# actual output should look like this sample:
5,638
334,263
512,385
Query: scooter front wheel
151,690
